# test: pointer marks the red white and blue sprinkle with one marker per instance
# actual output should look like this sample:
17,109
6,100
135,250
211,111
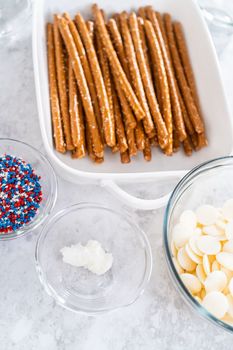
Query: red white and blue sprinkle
20,193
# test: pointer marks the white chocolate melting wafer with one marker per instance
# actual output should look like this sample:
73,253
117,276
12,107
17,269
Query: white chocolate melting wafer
193,245
181,234
225,259
194,257
208,245
215,281
191,282
184,260
207,215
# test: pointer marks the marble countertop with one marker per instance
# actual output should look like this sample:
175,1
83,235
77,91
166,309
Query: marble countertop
29,318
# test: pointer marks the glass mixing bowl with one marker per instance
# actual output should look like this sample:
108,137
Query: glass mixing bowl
78,289
209,183
48,182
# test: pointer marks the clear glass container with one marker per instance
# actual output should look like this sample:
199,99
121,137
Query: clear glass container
209,183
78,289
43,168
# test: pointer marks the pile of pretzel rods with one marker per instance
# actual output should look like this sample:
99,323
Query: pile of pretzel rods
125,83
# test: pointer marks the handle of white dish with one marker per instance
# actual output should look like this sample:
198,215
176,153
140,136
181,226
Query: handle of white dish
137,203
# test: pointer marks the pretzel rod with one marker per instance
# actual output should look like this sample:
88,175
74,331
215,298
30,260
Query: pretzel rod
176,141
62,86
129,119
163,83
147,83
54,99
142,13
188,124
87,71
154,141
140,137
118,44
131,142
107,118
201,141
104,65
116,66
186,93
134,72
99,160
115,148
144,45
187,145
147,150
120,130
76,118
83,87
184,55
117,20
177,113
186,121
125,158
57,126
90,27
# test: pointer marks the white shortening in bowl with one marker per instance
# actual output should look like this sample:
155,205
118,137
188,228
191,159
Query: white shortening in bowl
210,88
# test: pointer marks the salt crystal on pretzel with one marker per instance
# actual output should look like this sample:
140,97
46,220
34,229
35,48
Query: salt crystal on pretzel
147,82
116,66
107,118
62,84
54,99
177,113
83,87
76,116
156,55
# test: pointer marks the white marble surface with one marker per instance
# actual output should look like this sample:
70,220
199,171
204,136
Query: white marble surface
29,319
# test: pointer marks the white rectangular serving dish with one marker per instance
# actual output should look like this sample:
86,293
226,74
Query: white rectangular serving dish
210,88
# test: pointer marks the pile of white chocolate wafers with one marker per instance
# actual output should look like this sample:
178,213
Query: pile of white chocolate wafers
124,83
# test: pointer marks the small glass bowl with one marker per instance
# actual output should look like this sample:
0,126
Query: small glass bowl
76,288
210,183
43,168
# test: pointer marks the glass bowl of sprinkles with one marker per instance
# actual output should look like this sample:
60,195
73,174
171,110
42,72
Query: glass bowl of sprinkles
28,188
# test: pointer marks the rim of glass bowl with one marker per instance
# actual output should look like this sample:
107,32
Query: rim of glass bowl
52,292
174,198
50,201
